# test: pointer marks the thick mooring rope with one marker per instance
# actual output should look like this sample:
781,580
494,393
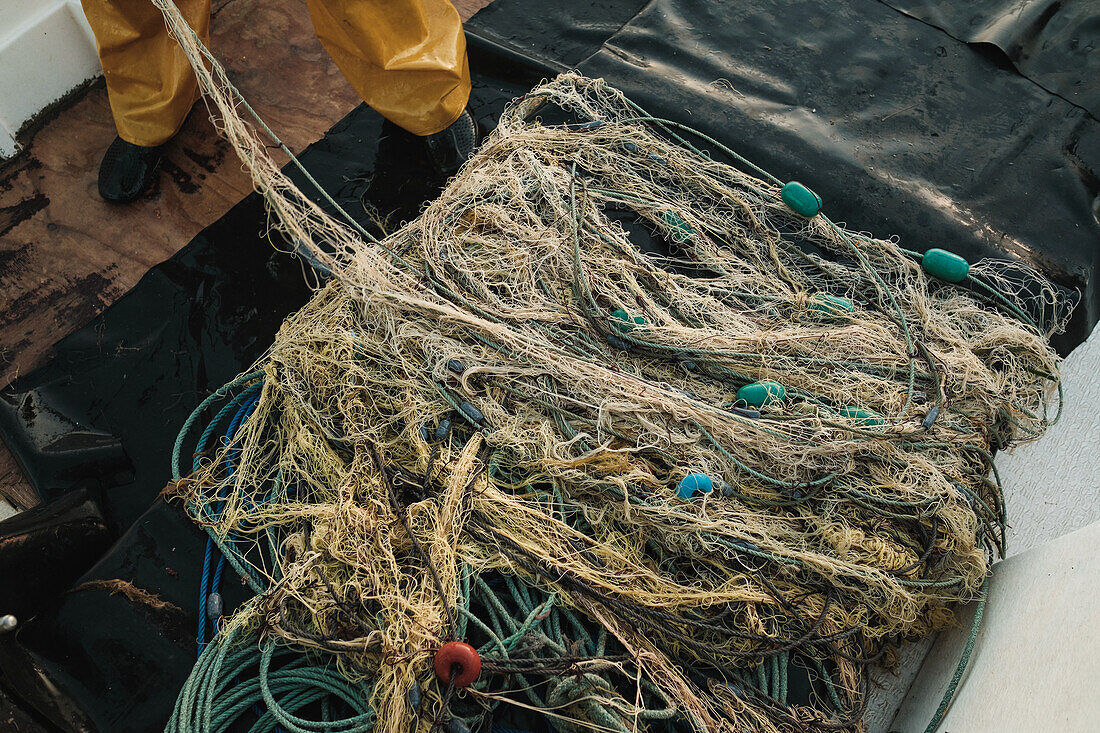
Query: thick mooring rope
653,489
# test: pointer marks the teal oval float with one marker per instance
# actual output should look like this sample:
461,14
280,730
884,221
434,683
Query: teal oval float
694,483
681,230
800,199
759,394
945,265
625,322
833,305
867,417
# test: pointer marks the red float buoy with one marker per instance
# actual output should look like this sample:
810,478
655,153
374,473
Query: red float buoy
461,655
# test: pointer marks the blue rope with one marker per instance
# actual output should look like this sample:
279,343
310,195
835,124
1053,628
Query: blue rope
245,404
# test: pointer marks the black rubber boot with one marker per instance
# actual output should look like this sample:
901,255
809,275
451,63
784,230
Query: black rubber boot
452,147
127,170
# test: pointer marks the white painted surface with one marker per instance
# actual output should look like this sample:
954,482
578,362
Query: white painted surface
1052,487
1037,656
46,49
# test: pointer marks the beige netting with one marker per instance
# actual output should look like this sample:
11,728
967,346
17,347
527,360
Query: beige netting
501,400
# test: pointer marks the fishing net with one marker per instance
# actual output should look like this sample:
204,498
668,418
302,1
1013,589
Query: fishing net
702,485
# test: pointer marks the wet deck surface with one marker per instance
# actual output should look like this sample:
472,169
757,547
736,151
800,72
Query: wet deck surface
65,254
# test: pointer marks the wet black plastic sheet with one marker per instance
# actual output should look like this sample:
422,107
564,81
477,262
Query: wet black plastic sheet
1055,43
900,128
561,34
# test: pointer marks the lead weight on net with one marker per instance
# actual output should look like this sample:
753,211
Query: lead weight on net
471,412
617,342
746,412
415,696
214,606
930,418
442,430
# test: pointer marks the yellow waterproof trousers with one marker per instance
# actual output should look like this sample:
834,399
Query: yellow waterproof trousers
405,58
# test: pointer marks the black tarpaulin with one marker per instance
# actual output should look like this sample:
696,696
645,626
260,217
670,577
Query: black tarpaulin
560,34
1055,43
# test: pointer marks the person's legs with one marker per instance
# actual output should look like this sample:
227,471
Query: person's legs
149,83
407,60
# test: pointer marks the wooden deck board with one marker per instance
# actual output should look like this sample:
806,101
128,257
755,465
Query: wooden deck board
65,254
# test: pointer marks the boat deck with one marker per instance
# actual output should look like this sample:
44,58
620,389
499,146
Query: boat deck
65,254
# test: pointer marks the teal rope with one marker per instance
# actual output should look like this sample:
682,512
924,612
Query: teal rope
215,698
222,391
964,661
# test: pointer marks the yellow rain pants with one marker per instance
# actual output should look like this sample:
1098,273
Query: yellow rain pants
405,58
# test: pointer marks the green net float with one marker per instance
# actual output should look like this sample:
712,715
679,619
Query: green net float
867,417
759,394
948,266
800,199
625,322
681,230
832,305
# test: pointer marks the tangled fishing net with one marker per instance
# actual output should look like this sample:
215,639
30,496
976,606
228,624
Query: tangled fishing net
701,487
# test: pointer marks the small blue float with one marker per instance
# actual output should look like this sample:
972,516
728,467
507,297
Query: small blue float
442,430
694,483
930,418
617,342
